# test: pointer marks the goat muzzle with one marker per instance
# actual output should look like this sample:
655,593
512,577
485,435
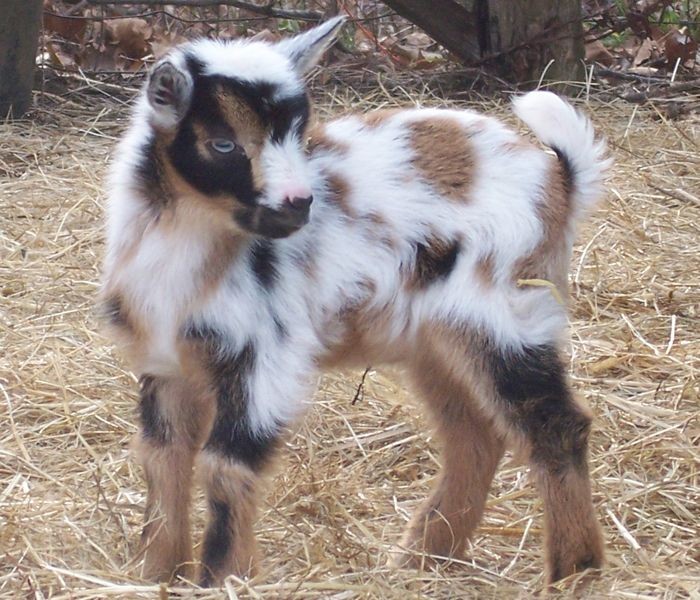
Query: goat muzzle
275,223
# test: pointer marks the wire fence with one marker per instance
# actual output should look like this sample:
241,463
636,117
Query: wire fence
116,40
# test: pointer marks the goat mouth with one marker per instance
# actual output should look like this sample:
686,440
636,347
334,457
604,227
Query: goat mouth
271,223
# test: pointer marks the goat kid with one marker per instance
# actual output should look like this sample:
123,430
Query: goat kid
229,289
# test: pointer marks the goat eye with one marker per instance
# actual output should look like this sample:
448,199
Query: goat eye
223,145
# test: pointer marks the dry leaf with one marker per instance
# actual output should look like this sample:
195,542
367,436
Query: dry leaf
103,58
163,42
645,52
680,46
418,39
604,364
58,57
69,28
266,36
643,71
597,52
131,36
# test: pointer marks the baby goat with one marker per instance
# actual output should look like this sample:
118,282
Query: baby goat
247,251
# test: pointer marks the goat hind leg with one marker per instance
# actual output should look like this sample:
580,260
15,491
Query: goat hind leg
531,385
470,452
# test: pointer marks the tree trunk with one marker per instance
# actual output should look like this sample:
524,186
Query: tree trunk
448,22
20,21
531,33
516,38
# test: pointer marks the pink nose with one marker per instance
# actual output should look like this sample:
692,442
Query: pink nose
298,203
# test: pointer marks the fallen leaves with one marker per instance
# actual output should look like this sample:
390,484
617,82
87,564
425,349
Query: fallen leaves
131,36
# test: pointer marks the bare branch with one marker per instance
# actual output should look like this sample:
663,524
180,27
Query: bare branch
267,9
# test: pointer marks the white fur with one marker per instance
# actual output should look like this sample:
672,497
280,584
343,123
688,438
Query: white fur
285,170
248,60
558,125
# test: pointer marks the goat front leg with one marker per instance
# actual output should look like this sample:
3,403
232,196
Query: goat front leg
174,418
232,487
232,464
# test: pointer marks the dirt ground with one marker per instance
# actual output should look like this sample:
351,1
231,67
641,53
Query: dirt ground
71,498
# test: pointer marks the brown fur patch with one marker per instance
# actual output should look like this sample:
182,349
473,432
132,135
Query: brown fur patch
573,540
224,248
550,258
247,125
380,229
360,334
123,327
153,179
249,128
339,195
517,146
434,260
319,141
443,156
377,118
377,219
485,270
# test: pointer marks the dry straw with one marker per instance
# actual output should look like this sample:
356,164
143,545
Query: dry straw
71,500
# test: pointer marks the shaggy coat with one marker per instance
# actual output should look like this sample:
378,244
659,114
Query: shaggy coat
247,251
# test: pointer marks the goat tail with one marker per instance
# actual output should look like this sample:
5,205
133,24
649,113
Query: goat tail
570,134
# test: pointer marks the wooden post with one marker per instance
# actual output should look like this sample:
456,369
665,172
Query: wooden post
20,21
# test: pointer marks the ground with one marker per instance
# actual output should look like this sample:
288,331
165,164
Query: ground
72,498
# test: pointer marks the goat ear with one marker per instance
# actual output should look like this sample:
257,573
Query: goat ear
306,49
169,93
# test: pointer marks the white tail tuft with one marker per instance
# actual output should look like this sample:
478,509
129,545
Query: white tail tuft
570,134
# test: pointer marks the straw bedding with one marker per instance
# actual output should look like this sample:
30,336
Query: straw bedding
71,499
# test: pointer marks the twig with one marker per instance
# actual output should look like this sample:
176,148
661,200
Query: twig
693,84
677,194
267,10
600,72
75,9
360,392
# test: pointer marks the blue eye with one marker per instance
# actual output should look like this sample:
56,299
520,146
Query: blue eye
222,145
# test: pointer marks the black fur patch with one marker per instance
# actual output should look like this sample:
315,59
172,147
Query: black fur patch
435,260
264,262
217,541
151,175
230,435
533,373
112,310
280,328
533,383
154,427
567,170
224,174
288,113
